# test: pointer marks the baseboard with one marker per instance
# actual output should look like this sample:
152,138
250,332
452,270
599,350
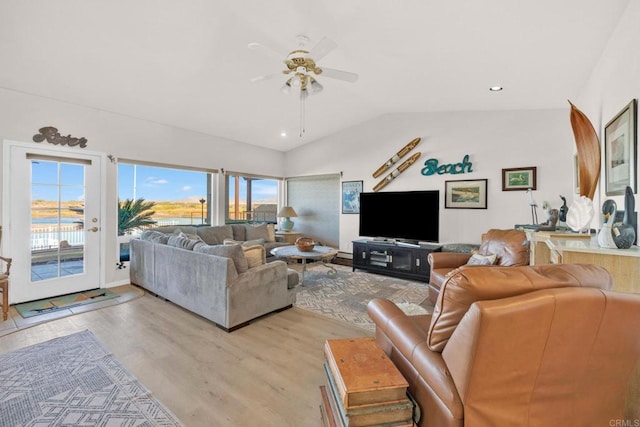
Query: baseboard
117,283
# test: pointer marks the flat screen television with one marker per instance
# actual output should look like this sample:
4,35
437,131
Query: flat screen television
411,216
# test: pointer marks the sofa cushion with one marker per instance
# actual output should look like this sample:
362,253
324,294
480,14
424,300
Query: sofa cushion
155,236
255,255
216,234
257,231
467,285
234,252
181,240
510,246
239,232
171,229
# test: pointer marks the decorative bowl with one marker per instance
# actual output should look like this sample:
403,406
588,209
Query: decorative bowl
305,244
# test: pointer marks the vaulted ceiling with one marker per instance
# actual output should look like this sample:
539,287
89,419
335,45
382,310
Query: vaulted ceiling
186,63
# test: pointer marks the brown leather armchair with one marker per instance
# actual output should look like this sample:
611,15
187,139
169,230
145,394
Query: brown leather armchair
510,246
544,345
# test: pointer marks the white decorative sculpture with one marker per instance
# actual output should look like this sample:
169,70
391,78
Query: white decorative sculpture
580,214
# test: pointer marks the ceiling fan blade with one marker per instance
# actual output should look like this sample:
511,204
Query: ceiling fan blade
340,75
267,51
264,77
322,48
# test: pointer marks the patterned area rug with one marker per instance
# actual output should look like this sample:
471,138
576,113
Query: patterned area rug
74,380
346,296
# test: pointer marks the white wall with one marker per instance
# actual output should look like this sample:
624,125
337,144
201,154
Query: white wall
22,115
494,140
614,82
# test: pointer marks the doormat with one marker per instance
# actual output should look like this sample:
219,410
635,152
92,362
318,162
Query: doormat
49,305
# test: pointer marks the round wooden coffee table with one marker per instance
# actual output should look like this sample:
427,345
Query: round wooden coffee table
322,254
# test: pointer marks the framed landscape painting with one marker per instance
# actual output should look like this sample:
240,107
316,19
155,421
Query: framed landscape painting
519,179
620,151
471,194
351,197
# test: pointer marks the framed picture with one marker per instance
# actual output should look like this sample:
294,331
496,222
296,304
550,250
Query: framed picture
465,194
519,179
351,197
620,151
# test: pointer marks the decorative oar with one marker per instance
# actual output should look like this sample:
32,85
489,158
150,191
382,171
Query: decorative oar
387,179
392,161
588,147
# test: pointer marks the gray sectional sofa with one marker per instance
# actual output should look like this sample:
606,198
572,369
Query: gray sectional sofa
248,234
216,281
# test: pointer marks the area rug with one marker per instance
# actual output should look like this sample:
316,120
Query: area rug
74,380
345,297
48,305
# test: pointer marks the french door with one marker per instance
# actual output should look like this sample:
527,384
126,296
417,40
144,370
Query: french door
54,231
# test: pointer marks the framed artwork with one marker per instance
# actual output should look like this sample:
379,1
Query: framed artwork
471,194
351,197
620,151
519,179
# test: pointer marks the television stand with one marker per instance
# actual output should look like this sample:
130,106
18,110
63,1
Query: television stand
403,260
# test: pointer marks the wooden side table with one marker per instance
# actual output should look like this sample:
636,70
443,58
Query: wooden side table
289,236
363,386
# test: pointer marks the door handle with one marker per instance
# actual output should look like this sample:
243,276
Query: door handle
93,229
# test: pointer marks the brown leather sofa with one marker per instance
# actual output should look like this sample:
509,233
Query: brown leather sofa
545,345
510,246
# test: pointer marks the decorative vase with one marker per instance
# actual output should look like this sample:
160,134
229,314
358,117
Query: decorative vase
605,235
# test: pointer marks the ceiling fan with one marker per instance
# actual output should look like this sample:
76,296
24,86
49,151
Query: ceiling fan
301,65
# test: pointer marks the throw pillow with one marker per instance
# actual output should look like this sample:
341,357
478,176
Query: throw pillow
182,241
477,259
154,236
257,232
234,252
247,243
255,255
272,232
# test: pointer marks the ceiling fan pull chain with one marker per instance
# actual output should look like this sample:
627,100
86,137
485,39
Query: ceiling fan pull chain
302,112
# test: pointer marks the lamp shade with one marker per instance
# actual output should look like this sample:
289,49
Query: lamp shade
287,212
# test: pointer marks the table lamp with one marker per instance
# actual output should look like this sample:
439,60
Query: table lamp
286,212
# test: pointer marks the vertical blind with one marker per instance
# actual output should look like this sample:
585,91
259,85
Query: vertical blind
316,200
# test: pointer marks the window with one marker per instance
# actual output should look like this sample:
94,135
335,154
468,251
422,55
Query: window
251,199
173,196
179,196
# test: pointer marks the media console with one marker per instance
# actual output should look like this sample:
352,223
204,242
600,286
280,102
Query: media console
393,259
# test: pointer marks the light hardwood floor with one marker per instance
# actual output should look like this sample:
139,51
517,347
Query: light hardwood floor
265,374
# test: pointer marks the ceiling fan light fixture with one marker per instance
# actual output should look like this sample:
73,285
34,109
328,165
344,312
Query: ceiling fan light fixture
295,81
315,87
495,88
286,88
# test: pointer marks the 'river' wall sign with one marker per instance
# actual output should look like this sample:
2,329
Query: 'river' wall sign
431,167
52,136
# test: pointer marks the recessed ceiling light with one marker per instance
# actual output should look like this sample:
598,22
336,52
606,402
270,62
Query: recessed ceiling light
283,134
495,88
